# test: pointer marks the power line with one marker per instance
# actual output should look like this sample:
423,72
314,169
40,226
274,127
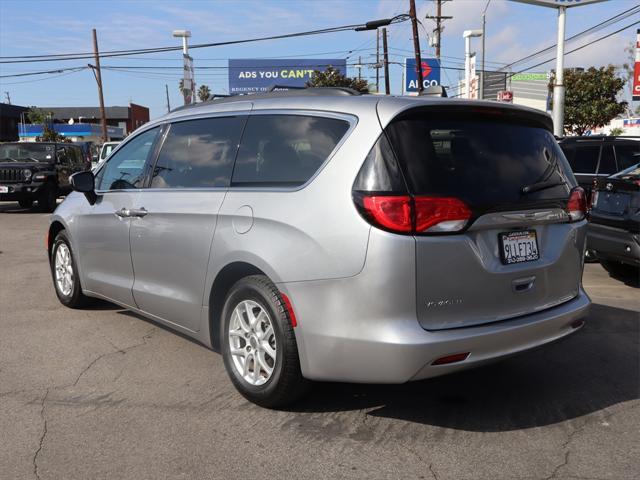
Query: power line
119,53
610,21
571,51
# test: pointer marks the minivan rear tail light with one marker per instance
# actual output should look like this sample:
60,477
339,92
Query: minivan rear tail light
391,212
420,214
441,214
577,204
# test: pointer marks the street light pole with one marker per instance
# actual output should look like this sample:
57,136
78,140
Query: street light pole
467,59
558,85
188,84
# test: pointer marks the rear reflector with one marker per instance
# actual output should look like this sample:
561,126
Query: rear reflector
292,315
577,324
458,357
421,214
577,204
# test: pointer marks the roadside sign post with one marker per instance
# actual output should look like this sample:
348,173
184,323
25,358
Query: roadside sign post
636,71
558,84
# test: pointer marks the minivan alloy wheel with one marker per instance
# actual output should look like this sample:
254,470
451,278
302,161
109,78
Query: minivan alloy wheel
252,342
64,270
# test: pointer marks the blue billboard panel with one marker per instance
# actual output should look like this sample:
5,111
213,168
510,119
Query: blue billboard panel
259,74
430,73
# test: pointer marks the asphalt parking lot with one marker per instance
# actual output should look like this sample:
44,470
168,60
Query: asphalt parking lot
102,393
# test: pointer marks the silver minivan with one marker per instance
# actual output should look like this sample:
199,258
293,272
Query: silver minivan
323,235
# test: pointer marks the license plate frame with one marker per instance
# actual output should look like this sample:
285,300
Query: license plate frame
516,238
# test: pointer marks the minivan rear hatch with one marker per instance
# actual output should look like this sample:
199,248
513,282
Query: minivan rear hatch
510,247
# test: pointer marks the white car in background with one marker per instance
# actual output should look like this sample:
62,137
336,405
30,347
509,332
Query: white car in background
105,151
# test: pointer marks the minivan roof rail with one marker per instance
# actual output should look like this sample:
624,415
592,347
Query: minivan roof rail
275,92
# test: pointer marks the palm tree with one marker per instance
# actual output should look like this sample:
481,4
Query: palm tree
204,93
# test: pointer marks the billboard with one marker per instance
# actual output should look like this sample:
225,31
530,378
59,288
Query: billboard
248,75
430,73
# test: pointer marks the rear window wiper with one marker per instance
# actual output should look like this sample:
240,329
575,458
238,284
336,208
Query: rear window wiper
536,187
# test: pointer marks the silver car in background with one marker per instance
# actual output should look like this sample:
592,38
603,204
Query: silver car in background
324,235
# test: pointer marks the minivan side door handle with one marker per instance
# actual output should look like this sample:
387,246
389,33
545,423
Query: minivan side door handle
138,212
131,212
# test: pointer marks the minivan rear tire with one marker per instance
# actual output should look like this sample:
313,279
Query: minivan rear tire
285,384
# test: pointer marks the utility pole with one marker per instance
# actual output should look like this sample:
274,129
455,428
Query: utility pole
387,89
377,61
98,75
166,88
439,18
416,44
8,97
359,68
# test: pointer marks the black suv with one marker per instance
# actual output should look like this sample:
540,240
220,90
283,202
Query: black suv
38,171
614,230
599,156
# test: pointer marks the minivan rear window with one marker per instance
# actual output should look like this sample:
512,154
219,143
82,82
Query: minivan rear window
285,150
483,159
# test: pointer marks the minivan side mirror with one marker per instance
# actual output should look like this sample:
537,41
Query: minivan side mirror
84,182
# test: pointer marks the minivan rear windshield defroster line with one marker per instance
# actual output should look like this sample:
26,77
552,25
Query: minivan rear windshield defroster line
483,159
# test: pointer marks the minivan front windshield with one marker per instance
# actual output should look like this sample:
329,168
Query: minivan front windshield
483,159
27,152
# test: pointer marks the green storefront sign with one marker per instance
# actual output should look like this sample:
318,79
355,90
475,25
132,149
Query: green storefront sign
529,76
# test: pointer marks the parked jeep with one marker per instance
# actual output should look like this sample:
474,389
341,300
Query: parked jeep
38,172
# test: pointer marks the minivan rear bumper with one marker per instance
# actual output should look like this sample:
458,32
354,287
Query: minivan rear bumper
402,351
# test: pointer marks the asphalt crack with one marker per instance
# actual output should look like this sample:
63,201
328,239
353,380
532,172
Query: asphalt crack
42,437
122,351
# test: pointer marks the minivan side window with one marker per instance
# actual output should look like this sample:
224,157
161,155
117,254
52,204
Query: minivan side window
285,150
125,169
627,155
607,161
198,153
585,159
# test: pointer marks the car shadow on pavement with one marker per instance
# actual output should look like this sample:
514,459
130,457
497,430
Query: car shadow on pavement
10,207
596,368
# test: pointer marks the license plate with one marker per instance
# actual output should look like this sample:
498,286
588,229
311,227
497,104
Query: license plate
4,189
518,247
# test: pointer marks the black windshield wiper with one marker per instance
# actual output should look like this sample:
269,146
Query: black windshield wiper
536,187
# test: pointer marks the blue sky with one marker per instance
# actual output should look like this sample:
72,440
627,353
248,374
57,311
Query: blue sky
29,27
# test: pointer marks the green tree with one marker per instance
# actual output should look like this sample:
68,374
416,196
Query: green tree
616,131
204,93
591,98
50,135
38,115
333,78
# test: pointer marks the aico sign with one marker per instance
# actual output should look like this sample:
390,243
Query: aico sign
430,74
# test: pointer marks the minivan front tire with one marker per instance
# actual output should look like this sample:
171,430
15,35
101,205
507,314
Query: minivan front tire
64,272
259,346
